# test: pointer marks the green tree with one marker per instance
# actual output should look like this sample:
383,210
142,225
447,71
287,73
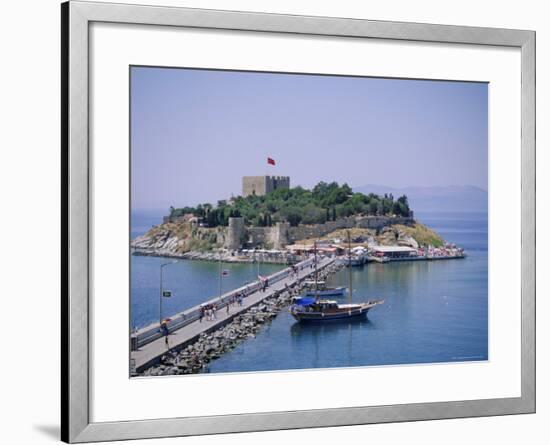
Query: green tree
297,205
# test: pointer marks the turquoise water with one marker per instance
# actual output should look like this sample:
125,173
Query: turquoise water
433,312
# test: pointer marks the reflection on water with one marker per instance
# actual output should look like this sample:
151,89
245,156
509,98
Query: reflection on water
345,331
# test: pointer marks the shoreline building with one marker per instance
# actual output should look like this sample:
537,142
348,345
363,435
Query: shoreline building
261,185
394,252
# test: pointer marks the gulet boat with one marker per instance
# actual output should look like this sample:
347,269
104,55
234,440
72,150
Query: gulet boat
314,309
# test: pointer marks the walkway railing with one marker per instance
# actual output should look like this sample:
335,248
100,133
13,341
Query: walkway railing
153,332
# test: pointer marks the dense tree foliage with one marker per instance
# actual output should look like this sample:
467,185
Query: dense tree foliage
298,206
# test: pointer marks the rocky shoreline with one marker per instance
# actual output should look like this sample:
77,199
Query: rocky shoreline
226,256
194,358
182,240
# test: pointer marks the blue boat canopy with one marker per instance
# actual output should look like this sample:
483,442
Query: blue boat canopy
304,301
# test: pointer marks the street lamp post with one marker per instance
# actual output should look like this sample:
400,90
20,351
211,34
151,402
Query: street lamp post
161,288
220,272
257,261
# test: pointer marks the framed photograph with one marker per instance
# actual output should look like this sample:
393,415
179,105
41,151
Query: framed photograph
312,221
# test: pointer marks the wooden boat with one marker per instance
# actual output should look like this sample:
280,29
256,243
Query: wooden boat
322,290
314,309
330,310
353,261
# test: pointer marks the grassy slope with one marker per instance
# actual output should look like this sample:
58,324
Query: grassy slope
422,234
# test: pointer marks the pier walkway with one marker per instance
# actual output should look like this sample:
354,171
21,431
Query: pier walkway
148,345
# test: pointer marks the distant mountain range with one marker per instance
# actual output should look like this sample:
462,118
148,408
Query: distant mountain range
432,199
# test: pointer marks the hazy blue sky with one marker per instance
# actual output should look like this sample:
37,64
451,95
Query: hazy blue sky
195,133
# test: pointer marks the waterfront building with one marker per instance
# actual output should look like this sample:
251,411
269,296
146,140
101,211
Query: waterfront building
393,252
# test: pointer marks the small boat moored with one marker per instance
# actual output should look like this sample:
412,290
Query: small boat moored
354,260
308,309
311,308
322,290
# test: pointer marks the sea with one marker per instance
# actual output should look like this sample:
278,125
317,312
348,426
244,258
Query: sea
434,311
190,282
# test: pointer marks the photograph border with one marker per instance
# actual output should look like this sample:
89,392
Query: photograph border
76,18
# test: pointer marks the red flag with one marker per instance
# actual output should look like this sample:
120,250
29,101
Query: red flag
271,161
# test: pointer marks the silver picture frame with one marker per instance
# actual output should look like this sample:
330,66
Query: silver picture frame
76,18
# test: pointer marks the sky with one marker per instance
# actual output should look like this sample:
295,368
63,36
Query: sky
195,133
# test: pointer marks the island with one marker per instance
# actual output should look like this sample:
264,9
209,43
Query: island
284,224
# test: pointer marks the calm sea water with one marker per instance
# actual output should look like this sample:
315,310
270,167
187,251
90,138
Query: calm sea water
191,282
434,311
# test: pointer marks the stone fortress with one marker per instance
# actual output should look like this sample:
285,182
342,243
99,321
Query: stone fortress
192,233
262,185
238,235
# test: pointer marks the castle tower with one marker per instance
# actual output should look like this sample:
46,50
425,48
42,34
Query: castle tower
280,235
261,185
235,233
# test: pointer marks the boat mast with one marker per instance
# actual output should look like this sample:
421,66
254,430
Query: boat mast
349,267
220,274
256,264
315,263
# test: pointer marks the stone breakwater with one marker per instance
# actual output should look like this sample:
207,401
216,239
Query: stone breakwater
194,358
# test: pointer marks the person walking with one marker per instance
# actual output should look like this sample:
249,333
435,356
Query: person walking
201,313
165,333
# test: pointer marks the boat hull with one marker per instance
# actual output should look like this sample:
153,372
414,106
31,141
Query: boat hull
322,317
336,292
354,262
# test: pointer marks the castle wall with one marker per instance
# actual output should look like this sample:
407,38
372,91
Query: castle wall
279,235
366,222
258,235
282,234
